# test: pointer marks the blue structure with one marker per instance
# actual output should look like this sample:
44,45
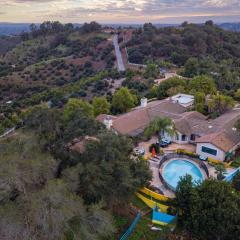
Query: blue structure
161,218
131,227
230,176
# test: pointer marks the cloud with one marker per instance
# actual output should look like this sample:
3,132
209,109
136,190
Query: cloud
122,10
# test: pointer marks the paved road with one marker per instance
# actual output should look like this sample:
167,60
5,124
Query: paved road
120,63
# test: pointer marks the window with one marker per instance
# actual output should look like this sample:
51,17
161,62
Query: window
177,136
209,151
193,137
184,138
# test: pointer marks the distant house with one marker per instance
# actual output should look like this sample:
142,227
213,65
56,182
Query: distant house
215,138
184,99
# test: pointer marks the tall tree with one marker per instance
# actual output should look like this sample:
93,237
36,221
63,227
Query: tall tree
219,104
200,102
100,105
158,126
123,100
151,71
75,104
205,209
203,84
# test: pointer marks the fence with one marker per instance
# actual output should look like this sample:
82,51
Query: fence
131,227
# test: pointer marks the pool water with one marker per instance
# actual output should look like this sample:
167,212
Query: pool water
175,169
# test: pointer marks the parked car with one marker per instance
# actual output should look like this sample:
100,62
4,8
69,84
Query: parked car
164,143
202,158
139,151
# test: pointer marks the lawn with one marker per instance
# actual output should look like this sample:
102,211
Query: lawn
143,228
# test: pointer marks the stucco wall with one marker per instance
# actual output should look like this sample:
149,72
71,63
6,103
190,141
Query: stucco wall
220,154
175,139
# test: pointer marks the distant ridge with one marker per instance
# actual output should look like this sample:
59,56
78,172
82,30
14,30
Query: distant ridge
13,28
16,28
231,26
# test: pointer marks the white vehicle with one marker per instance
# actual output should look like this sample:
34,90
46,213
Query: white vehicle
139,151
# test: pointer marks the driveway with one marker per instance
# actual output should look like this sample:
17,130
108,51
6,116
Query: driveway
121,67
167,76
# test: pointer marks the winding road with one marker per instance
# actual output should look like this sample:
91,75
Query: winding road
121,67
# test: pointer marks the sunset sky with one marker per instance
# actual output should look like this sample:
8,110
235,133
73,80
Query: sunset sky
119,11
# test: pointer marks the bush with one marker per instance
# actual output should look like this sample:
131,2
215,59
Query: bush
190,154
154,145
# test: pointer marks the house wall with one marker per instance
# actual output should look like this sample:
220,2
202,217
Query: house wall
220,154
177,138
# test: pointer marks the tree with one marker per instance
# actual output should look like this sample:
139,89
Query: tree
205,209
171,83
185,193
158,126
219,104
209,23
236,182
107,172
191,67
200,101
75,104
203,84
100,105
123,100
151,71
90,27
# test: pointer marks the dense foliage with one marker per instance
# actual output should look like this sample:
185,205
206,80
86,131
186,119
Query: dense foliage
209,210
201,49
49,183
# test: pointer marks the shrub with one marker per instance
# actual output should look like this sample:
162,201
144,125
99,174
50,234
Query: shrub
156,147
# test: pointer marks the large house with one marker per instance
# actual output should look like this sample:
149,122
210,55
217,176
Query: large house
216,138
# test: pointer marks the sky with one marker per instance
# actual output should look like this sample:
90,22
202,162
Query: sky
119,11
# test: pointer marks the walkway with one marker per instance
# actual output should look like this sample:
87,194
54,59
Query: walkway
166,77
121,67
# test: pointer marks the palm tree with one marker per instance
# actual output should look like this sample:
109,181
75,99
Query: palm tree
158,126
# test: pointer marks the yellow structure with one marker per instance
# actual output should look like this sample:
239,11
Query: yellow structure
155,195
152,204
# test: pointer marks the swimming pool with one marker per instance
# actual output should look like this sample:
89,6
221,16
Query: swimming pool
174,169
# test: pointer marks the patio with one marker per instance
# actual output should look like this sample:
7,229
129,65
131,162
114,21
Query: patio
170,148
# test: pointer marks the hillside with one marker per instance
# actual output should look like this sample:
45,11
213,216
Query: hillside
44,59
178,44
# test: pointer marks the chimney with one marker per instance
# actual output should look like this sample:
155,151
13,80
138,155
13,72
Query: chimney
108,122
144,102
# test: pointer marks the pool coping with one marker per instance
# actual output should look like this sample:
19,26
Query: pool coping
183,159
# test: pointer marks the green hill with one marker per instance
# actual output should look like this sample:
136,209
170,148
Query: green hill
52,55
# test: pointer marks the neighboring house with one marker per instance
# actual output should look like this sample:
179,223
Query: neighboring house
214,138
